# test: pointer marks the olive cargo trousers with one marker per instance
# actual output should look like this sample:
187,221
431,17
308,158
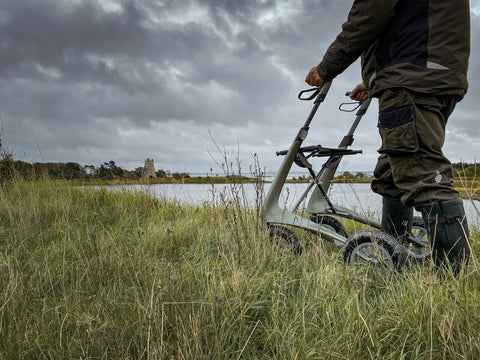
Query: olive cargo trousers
412,167
413,170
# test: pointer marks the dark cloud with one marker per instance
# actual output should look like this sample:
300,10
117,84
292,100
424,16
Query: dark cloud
94,80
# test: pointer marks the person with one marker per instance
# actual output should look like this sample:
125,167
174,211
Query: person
414,59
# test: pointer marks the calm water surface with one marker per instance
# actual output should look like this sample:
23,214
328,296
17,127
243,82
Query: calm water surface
358,197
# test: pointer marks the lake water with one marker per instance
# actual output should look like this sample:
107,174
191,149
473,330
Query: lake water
358,197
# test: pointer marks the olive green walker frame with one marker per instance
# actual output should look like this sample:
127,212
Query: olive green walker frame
320,205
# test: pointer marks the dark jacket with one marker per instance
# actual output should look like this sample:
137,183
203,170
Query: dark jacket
421,45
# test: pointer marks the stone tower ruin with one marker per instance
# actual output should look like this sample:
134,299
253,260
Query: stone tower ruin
149,169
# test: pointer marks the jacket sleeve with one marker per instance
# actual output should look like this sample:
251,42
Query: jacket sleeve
366,21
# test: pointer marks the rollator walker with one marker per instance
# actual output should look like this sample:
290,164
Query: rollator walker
368,247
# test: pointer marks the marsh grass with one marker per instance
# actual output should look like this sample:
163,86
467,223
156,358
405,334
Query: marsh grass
95,274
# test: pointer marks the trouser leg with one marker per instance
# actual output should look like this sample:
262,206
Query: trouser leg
412,168
447,232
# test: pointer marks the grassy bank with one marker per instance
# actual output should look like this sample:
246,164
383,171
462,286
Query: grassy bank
92,274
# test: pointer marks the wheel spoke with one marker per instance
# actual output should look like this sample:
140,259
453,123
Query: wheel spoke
365,255
371,254
418,247
375,253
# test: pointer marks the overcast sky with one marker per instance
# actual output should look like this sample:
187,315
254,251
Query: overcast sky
91,81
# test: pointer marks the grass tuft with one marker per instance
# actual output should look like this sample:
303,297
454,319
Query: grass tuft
96,274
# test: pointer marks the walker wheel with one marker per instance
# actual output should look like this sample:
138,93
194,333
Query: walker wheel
285,240
418,247
375,252
331,222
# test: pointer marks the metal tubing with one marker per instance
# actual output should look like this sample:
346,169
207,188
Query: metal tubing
273,194
334,160
275,215
326,174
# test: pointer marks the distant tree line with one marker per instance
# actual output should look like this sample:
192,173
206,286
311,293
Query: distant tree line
164,174
347,175
466,170
10,168
57,171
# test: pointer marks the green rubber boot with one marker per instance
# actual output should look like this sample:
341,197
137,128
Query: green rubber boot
396,219
447,229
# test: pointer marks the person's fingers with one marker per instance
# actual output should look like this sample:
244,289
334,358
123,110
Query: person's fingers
354,94
309,75
310,79
313,78
359,93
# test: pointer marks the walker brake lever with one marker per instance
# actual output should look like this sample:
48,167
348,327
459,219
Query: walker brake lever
357,104
316,90
342,105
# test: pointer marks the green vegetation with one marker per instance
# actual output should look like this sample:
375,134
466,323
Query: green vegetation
107,173
72,171
96,274
358,177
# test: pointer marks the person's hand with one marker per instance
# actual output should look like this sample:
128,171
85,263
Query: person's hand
359,93
313,78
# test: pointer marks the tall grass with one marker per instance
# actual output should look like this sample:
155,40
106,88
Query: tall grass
95,274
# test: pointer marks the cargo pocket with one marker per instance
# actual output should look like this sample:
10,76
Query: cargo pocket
398,132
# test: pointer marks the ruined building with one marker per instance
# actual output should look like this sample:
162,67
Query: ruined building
149,169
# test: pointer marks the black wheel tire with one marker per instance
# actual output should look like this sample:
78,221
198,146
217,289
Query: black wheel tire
375,248
330,221
285,239
418,248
